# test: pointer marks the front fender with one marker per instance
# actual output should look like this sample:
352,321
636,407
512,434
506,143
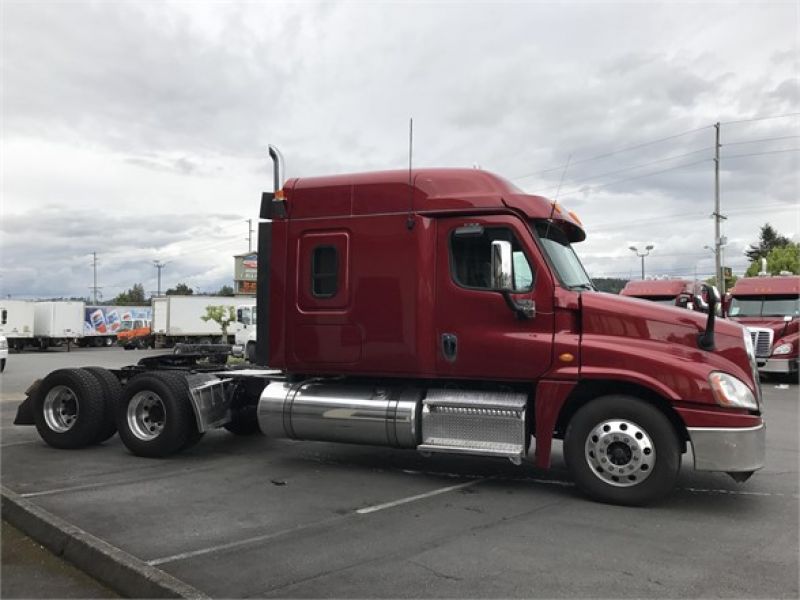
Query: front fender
675,371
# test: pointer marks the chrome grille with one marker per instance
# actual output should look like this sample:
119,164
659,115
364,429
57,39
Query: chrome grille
762,341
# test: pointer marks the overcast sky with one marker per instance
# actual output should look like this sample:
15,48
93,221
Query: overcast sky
139,130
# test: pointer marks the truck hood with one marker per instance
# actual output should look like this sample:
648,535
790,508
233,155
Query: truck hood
638,318
659,340
779,327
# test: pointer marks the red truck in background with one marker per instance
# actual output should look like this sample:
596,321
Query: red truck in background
770,309
442,310
669,292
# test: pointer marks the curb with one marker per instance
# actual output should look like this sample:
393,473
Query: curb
125,574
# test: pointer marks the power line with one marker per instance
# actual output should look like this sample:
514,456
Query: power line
772,139
597,187
631,168
761,153
613,152
765,118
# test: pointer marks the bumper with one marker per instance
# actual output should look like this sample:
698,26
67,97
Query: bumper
779,365
728,449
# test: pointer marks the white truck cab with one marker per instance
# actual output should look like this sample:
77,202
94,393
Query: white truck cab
245,338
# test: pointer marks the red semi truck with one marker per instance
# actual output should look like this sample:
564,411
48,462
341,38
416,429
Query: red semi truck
770,309
669,292
442,310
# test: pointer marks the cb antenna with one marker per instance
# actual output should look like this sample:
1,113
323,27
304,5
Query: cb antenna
410,219
558,191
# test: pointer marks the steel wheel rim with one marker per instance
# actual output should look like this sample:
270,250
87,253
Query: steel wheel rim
60,408
146,415
620,453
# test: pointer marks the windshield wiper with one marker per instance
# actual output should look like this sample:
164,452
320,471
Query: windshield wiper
582,286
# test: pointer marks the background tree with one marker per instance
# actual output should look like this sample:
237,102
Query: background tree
730,281
612,285
133,296
180,290
780,258
225,290
222,316
768,240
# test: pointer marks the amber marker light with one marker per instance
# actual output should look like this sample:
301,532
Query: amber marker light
566,357
279,195
575,218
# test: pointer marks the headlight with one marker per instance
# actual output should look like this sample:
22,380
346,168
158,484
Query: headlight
731,392
782,349
748,345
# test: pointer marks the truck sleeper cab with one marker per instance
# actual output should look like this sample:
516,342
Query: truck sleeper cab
452,315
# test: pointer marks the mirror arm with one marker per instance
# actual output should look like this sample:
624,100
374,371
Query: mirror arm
524,310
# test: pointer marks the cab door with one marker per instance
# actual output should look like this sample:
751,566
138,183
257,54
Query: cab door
478,335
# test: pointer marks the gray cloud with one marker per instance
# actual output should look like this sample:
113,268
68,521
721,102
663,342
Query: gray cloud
154,117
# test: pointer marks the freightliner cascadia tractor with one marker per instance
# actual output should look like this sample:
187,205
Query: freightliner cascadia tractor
770,309
442,310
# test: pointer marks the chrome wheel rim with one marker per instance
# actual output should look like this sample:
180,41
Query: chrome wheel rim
620,453
146,415
60,408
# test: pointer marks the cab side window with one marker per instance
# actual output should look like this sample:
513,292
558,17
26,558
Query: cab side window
324,272
471,258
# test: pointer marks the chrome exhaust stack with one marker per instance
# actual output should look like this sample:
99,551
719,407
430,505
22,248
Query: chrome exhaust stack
278,170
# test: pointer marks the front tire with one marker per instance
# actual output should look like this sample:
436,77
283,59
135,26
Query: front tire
68,409
622,450
155,417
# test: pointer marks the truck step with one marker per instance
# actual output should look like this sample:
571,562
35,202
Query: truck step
474,422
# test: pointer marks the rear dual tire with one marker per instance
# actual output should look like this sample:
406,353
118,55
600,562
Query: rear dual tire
154,417
74,408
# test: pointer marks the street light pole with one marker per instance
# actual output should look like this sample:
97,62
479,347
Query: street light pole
646,252
159,265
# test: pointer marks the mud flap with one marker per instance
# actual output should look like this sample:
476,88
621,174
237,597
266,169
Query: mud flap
25,413
25,410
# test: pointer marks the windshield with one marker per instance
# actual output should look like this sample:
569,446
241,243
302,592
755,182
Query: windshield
563,258
668,300
765,306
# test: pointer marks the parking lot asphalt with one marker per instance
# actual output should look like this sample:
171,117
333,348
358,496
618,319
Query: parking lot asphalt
250,516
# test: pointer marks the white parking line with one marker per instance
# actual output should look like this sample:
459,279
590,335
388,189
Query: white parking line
19,444
444,490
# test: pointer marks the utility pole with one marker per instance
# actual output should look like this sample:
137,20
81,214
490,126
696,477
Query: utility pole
718,275
249,235
94,288
159,265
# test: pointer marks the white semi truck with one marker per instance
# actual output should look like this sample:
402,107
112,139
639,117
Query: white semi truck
16,322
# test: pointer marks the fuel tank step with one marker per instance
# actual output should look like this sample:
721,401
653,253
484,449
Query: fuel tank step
474,422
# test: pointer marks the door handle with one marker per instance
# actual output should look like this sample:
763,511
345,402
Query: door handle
449,347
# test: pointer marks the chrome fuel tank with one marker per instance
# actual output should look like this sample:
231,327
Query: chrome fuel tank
341,412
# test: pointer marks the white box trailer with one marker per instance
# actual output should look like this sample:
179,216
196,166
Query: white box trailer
16,322
57,322
180,319
101,324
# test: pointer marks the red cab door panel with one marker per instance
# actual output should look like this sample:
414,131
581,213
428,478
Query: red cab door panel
477,334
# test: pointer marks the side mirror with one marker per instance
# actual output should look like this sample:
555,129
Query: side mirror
502,279
502,266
